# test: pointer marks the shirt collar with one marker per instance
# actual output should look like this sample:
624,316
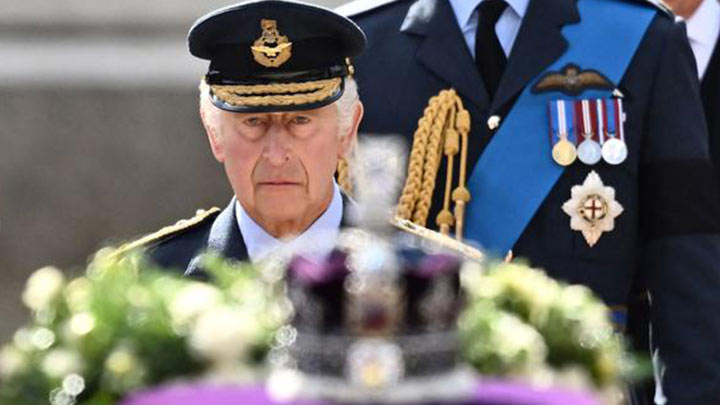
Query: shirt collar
464,9
325,229
702,27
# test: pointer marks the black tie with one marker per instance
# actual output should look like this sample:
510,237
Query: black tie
489,55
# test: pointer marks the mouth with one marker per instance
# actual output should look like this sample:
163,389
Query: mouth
278,183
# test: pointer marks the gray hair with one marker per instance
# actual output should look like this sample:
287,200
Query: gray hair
346,105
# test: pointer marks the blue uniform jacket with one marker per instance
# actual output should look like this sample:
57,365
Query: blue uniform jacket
666,240
214,231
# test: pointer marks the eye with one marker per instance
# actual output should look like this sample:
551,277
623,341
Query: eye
253,121
300,120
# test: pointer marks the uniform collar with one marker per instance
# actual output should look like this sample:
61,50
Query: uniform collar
464,9
260,244
703,26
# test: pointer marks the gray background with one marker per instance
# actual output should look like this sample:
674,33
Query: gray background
100,139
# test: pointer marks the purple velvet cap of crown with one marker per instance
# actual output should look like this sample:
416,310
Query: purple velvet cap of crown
489,392
309,271
435,265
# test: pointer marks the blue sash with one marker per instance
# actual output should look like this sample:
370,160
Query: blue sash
516,171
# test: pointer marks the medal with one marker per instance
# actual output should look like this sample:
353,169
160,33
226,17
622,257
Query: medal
564,151
592,208
614,151
589,151
614,148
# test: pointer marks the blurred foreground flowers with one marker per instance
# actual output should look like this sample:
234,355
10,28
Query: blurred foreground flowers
127,325
520,323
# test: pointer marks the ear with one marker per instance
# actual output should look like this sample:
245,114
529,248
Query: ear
210,120
348,140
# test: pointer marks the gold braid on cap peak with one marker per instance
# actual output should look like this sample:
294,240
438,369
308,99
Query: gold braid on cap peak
277,93
442,130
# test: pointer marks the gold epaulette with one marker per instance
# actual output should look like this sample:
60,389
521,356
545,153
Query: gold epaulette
181,225
438,239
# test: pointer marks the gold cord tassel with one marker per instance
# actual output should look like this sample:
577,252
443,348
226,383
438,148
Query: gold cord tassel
413,182
442,130
343,177
461,195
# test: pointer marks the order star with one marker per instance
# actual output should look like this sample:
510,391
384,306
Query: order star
592,208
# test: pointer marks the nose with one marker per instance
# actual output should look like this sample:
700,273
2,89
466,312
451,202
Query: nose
276,150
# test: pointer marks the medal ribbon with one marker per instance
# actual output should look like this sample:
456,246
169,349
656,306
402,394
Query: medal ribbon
569,121
587,120
610,116
619,118
515,172
561,126
601,120
554,122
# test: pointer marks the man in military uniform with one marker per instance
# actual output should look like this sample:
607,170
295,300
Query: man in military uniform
587,151
703,29
280,109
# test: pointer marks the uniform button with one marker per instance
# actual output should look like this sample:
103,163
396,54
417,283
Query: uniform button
494,122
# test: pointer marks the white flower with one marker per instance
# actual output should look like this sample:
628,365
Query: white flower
73,384
22,339
124,370
42,287
138,297
193,300
42,338
573,299
81,324
516,340
284,385
58,396
248,291
59,363
574,378
222,335
12,361
595,326
77,294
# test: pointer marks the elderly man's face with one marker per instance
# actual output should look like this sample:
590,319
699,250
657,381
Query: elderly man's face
280,165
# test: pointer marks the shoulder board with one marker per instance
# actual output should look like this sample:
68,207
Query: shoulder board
165,232
661,5
438,239
357,7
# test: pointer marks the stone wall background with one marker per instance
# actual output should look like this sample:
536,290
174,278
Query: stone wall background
100,139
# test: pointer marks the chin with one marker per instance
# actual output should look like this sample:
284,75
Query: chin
281,211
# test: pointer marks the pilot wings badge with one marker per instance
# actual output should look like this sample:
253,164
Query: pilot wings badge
592,208
271,49
572,81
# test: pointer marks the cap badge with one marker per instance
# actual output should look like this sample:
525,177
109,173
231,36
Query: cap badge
592,208
271,49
